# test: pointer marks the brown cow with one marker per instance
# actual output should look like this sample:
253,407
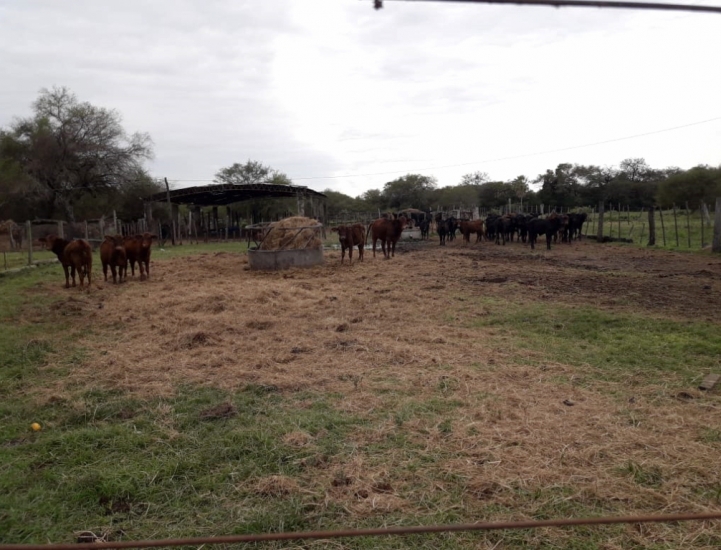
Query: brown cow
73,255
112,254
137,249
388,232
468,227
350,236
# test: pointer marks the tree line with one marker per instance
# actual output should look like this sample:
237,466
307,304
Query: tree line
632,183
73,160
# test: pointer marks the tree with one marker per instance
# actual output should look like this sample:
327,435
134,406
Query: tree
70,149
337,203
634,169
519,187
701,183
409,191
251,172
495,194
475,178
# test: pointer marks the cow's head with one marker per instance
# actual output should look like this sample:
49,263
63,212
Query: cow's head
54,243
343,233
146,239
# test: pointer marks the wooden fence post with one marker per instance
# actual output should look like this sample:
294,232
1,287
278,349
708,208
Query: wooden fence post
663,227
61,230
87,235
599,232
115,222
652,226
102,227
619,220
29,232
675,223
716,246
688,224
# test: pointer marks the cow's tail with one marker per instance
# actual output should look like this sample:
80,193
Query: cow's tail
368,231
88,262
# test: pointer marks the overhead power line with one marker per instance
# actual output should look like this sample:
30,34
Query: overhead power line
377,4
384,531
499,159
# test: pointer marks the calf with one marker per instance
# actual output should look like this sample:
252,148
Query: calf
504,229
441,228
137,249
425,227
451,226
113,255
469,227
388,231
350,236
73,255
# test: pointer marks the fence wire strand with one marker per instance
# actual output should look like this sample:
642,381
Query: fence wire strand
386,531
377,4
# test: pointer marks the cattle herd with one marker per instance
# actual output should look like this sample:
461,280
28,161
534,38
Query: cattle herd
497,228
116,252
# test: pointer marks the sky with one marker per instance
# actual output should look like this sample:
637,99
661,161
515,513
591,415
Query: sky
340,96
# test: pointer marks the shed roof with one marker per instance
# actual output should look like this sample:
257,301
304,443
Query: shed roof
228,193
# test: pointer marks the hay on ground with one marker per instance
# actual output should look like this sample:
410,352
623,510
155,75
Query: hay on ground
284,234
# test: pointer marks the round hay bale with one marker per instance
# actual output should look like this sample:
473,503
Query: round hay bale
288,235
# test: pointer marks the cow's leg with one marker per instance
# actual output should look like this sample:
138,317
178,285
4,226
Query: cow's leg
374,246
147,269
342,253
72,274
548,240
113,271
350,255
105,271
67,276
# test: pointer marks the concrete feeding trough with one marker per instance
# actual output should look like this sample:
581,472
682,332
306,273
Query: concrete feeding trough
411,234
275,260
289,243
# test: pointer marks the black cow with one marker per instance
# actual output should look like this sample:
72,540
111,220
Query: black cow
548,226
425,227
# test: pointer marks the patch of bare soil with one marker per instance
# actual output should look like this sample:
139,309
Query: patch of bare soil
382,334
657,282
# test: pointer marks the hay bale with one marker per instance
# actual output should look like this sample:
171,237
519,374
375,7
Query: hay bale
284,234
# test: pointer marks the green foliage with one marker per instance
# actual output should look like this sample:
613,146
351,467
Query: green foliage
410,191
251,172
699,184
254,172
68,150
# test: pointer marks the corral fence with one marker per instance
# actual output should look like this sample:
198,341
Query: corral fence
21,245
675,226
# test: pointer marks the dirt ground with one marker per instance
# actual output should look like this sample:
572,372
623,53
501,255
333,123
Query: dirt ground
382,334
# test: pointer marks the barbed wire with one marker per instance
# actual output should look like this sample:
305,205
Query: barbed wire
384,531
377,4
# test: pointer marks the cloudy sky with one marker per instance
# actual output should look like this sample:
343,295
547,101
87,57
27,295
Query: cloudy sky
340,96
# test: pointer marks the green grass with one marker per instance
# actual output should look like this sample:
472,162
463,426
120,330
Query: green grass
615,344
106,460
14,259
156,466
634,225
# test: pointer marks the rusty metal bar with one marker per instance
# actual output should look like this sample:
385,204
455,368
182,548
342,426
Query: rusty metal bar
387,531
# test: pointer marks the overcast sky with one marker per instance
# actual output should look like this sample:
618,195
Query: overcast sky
341,96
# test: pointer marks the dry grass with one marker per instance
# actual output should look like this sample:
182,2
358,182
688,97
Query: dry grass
457,417
284,234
